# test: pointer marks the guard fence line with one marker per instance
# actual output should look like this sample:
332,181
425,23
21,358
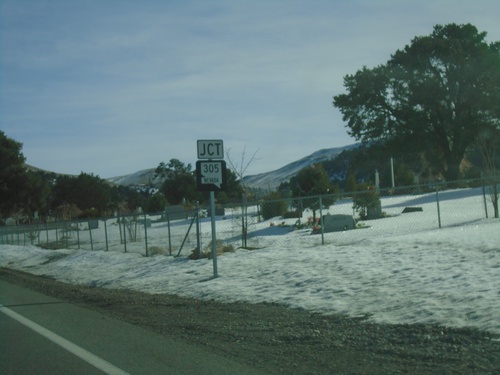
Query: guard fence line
315,220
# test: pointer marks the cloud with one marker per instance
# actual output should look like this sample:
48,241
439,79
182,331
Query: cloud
129,84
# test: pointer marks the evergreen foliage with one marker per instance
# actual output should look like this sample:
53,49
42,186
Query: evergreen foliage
432,98
89,193
312,182
22,192
366,201
272,205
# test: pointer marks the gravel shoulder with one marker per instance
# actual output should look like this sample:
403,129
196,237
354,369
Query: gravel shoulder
280,340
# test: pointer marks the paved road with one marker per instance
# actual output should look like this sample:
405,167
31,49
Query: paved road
42,335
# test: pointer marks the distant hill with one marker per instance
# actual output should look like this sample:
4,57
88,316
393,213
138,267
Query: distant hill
36,169
142,177
271,180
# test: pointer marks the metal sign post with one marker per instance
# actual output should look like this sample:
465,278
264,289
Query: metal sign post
211,176
214,236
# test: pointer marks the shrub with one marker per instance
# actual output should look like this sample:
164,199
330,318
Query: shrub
89,213
272,206
367,202
156,250
292,214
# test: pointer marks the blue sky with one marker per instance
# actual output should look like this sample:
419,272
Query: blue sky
113,87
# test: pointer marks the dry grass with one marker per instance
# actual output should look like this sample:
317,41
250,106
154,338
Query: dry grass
207,252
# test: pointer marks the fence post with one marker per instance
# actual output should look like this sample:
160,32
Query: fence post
484,199
64,237
39,228
169,235
65,234
146,235
119,222
90,234
78,233
124,234
321,220
437,200
244,221
17,232
106,233
198,239
214,241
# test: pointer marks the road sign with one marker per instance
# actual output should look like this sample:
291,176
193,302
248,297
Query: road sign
211,175
210,149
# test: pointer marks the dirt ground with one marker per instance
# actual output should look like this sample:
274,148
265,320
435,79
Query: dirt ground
280,340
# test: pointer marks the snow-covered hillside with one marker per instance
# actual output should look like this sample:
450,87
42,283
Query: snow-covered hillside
142,177
270,180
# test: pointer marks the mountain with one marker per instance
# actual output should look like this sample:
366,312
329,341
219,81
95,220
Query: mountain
267,181
271,180
142,177
36,170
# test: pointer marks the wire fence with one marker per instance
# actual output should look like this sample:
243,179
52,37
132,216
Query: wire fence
309,221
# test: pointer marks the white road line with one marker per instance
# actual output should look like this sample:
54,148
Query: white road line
92,359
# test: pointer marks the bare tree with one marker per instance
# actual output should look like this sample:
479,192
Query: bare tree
240,169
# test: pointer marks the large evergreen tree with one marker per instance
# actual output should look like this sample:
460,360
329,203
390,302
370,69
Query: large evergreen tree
86,191
311,182
22,191
433,97
179,181
13,176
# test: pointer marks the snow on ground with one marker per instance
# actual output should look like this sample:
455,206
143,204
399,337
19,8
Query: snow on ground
402,269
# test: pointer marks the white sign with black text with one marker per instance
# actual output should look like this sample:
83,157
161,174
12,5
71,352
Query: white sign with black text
210,149
211,175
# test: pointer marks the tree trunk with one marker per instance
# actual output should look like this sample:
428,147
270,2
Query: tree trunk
494,197
452,172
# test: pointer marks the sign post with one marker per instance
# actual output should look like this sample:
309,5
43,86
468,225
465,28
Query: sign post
214,239
211,176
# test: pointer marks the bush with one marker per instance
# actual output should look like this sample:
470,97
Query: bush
292,215
367,202
89,213
67,211
273,206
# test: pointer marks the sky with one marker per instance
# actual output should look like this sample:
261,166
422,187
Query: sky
401,269
113,87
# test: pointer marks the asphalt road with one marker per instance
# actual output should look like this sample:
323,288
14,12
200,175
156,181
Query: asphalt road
42,335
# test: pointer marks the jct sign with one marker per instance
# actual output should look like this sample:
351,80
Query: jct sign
210,149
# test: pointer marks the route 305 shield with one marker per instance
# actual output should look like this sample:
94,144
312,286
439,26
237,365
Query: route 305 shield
211,175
